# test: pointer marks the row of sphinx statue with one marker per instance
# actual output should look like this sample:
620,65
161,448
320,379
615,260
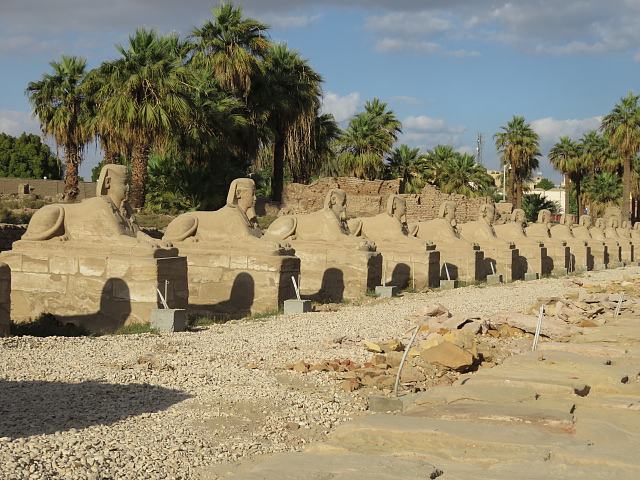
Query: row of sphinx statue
231,266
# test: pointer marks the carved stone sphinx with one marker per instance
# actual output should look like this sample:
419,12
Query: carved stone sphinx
558,250
460,260
614,249
625,232
336,265
233,270
89,264
407,261
600,251
501,257
581,257
626,246
532,253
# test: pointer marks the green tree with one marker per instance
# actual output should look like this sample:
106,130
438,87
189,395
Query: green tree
532,203
565,157
434,160
59,103
27,157
622,127
290,91
325,133
603,190
145,99
462,175
404,163
545,184
231,48
368,139
518,145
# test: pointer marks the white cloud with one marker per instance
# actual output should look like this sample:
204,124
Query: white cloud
408,23
289,21
550,129
342,107
466,149
390,44
407,99
427,132
23,43
14,122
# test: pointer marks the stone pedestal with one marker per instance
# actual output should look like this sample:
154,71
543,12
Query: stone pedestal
94,285
531,276
505,259
581,257
297,306
464,265
410,268
228,284
5,299
169,319
330,272
386,291
448,284
494,279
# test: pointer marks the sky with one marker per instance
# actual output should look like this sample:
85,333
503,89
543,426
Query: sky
449,69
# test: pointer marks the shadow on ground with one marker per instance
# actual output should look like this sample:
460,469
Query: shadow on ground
37,407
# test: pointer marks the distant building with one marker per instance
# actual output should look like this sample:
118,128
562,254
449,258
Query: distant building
555,195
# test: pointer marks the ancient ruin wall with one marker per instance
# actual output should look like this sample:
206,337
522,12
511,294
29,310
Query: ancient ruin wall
45,188
369,197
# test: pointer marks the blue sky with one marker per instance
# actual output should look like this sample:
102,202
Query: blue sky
448,68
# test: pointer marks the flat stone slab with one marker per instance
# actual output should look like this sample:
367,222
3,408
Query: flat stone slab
169,319
495,279
448,284
531,276
386,291
297,306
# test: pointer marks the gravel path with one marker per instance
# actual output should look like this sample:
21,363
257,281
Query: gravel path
163,406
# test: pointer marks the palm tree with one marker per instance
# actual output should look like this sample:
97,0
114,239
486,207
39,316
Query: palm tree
622,127
59,103
231,47
595,155
290,92
563,156
145,99
518,144
432,163
462,175
602,190
532,203
368,139
403,164
326,132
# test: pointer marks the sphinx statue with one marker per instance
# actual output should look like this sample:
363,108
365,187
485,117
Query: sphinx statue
460,260
234,270
407,261
557,249
532,253
501,257
611,231
597,231
625,232
336,264
581,257
600,250
89,263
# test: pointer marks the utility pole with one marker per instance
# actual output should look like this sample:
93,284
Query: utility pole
479,145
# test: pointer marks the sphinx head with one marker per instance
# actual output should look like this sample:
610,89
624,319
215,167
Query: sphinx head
585,221
566,219
336,201
544,216
113,183
397,208
448,211
488,212
613,222
600,223
242,195
518,216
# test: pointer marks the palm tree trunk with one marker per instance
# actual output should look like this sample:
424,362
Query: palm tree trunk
110,156
578,182
72,159
277,178
510,187
566,194
139,161
626,188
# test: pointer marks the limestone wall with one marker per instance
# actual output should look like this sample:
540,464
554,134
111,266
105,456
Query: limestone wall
367,198
45,188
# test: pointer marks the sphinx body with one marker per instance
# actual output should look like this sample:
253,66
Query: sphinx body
336,265
233,270
407,261
600,250
614,249
558,250
501,257
581,256
459,259
626,245
90,265
625,233
532,253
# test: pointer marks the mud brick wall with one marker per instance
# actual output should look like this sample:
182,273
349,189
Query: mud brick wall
10,233
45,188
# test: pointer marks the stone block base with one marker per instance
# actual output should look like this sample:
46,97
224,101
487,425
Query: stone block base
463,265
331,273
494,279
228,285
530,276
169,319
448,284
297,306
418,270
93,285
384,291
5,300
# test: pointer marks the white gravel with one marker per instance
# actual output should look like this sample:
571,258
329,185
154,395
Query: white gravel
92,408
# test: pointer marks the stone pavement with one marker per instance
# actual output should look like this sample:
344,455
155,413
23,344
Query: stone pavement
569,410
